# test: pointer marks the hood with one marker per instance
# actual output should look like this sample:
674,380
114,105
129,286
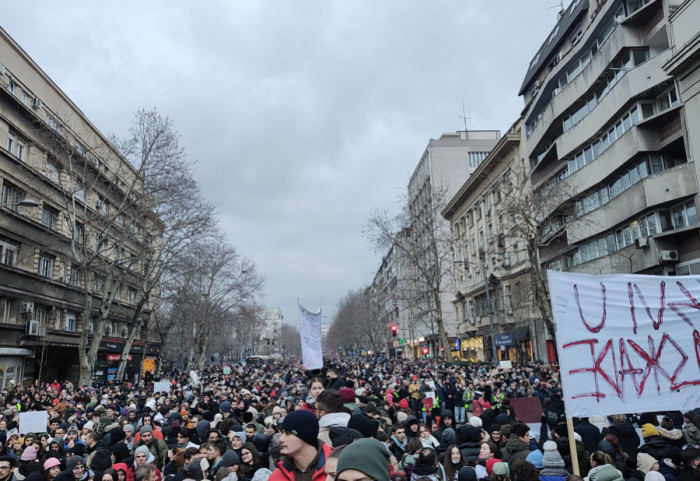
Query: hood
334,419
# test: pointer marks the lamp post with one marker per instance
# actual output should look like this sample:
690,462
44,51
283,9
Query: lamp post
490,312
22,203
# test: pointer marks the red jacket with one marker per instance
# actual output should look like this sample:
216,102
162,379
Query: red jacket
285,472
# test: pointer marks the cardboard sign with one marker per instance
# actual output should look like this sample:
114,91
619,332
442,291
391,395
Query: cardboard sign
33,422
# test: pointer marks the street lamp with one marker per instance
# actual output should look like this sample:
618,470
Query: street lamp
22,203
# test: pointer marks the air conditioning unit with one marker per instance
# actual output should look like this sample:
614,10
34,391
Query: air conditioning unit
36,103
27,308
509,311
42,332
33,327
668,255
641,242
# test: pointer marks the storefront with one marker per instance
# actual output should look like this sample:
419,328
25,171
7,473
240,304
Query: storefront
12,361
473,348
515,346
109,356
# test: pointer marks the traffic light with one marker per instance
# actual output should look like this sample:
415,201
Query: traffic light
394,330
425,350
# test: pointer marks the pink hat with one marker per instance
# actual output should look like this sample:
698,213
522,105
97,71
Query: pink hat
50,463
29,454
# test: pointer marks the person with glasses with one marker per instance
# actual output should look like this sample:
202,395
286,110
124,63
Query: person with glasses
363,460
7,464
250,460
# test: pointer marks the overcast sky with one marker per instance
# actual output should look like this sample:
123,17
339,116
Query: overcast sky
304,117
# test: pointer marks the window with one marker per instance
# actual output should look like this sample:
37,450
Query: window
78,233
51,172
20,150
684,215
476,158
80,148
98,283
49,217
10,143
131,295
102,247
53,123
11,196
25,98
516,252
45,266
11,86
8,253
667,100
74,278
71,321
101,205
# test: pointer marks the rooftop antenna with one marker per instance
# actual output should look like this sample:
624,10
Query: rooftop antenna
560,6
465,116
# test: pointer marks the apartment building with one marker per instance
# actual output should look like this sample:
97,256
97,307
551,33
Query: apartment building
493,300
63,187
610,140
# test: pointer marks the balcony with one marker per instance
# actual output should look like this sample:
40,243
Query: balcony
658,189
633,84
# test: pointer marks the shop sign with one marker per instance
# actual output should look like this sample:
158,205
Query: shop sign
116,357
504,339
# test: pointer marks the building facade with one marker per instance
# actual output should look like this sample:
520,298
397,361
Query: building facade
62,182
611,142
493,300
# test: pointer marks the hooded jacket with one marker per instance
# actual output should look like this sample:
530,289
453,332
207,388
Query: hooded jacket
329,421
514,449
285,468
692,434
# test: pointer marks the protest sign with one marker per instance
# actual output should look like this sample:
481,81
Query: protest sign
527,409
33,422
310,333
627,343
163,386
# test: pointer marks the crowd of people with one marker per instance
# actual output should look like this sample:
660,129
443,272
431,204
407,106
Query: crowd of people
356,420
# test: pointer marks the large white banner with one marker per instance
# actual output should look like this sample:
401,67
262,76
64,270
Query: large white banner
310,332
627,343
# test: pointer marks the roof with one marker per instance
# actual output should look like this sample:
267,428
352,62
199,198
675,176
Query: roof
561,30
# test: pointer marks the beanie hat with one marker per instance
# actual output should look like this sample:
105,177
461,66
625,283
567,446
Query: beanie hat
194,470
29,454
128,427
276,410
370,408
467,473
490,463
403,404
365,425
145,429
225,407
476,422
73,461
229,459
551,457
535,458
649,430
368,456
303,425
347,395
90,426
502,418
495,427
50,463
501,469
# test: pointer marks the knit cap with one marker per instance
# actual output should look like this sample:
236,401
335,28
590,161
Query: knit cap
501,469
347,395
145,429
476,422
362,423
649,430
230,458
194,470
490,463
645,462
368,456
551,457
303,425
29,454
50,463
535,458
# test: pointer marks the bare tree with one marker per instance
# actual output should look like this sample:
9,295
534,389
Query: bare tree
423,240
355,324
292,340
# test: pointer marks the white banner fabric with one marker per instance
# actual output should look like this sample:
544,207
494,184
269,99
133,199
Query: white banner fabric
33,422
627,343
310,332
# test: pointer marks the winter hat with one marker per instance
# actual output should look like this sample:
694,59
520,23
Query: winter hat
347,395
467,473
276,410
403,404
262,474
551,457
649,430
490,463
495,427
476,422
29,454
368,456
502,419
535,458
90,426
50,463
448,437
230,458
73,461
128,427
370,408
194,470
401,416
654,476
501,469
225,407
645,462
303,425
365,425
468,433
241,435
145,429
